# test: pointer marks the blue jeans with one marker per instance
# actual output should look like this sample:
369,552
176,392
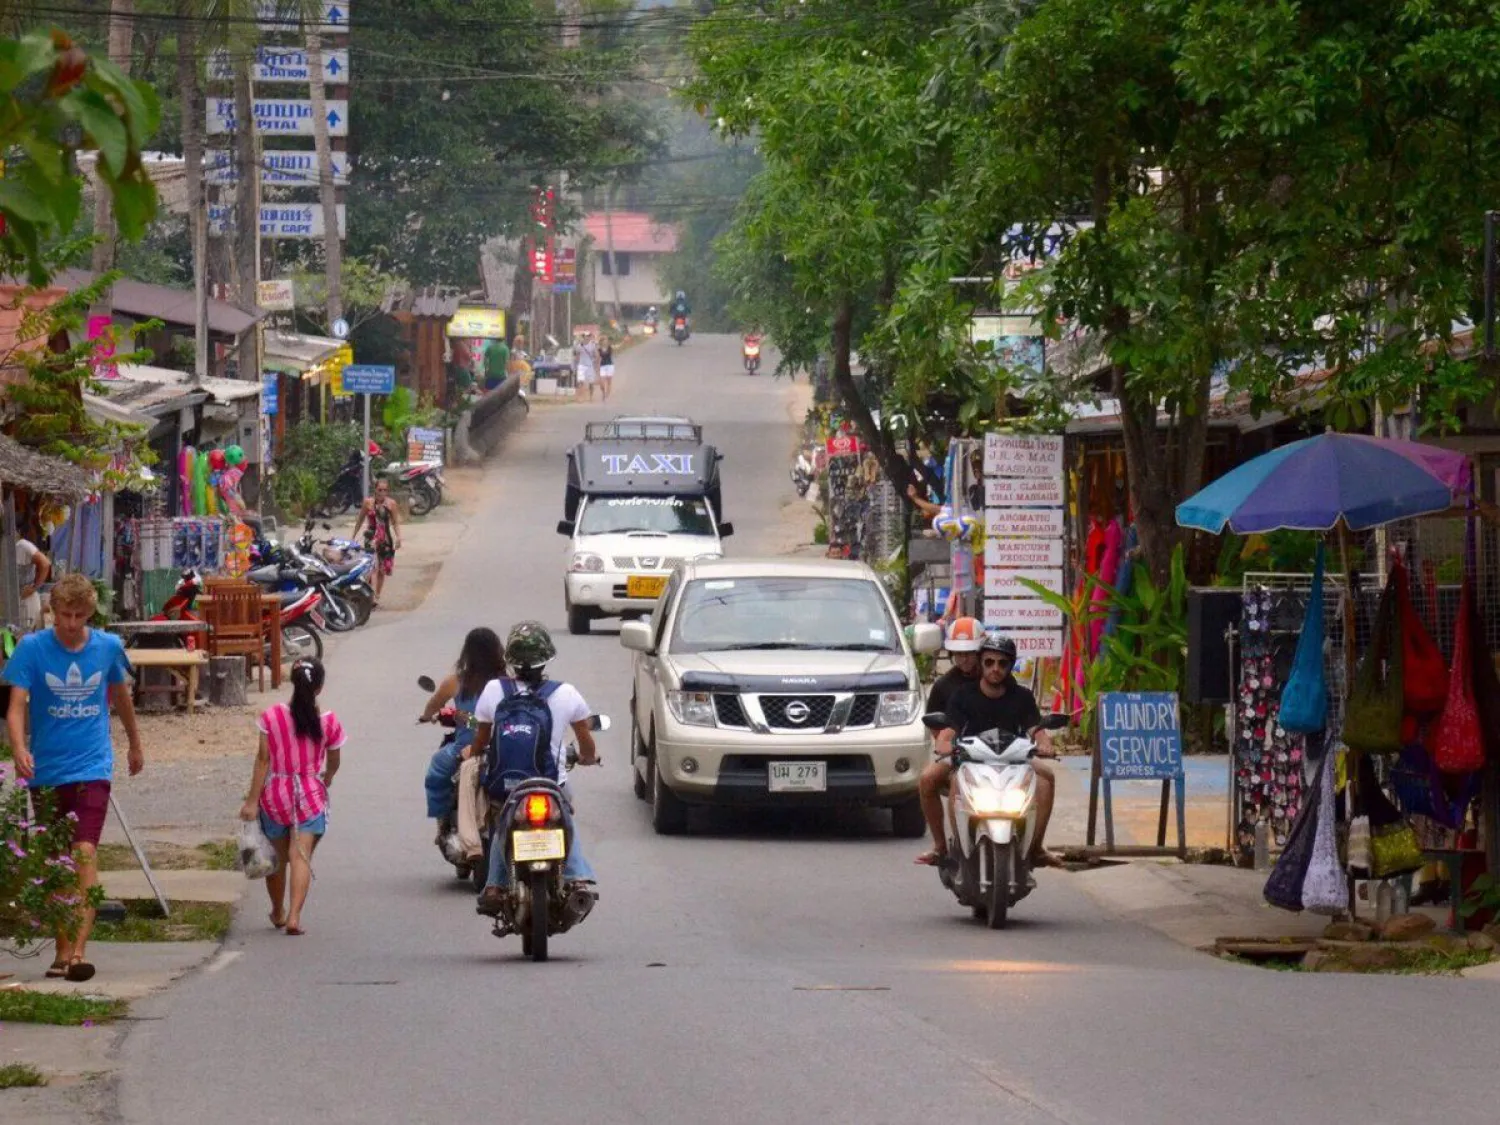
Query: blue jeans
442,780
576,866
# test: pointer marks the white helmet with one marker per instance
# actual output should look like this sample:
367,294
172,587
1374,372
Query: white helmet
965,635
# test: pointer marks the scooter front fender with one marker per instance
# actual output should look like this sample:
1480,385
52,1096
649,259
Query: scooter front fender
997,829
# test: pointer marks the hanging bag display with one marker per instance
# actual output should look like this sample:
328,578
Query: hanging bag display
1394,846
1372,722
1424,675
1304,700
1457,743
1284,886
1323,888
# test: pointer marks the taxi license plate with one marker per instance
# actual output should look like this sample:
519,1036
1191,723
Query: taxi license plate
644,586
537,844
799,777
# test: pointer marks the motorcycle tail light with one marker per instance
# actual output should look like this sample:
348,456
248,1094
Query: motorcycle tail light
536,810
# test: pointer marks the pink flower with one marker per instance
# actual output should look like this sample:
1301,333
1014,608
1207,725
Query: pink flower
16,849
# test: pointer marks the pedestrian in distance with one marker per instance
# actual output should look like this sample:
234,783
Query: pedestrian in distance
63,682
606,366
380,516
588,365
33,569
300,749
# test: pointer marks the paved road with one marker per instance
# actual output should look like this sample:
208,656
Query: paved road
751,972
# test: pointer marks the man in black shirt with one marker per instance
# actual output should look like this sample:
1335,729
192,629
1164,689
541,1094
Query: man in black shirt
964,637
996,702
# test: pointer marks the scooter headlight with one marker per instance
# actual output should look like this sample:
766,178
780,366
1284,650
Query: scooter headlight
999,802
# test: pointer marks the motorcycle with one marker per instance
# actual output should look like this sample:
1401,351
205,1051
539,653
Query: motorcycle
422,481
351,566
531,823
300,625
447,836
991,819
679,329
648,328
345,493
751,352
290,570
802,473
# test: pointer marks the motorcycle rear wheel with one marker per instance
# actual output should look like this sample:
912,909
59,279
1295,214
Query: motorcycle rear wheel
299,640
423,499
537,924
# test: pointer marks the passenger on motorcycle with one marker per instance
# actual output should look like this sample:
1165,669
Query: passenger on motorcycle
528,649
479,661
993,702
964,638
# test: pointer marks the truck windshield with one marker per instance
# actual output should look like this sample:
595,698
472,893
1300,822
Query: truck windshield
840,614
674,515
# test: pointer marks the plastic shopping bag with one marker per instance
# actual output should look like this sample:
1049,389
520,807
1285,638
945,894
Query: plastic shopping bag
257,856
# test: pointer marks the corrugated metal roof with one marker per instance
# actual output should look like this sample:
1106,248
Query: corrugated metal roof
174,306
302,351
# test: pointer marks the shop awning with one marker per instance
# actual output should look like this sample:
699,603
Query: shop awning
292,353
102,410
37,472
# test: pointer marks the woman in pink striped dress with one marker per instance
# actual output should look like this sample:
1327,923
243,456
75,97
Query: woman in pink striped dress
299,754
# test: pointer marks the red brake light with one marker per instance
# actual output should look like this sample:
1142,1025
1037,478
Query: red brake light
537,809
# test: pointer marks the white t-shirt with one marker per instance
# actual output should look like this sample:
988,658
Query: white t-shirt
566,704
26,553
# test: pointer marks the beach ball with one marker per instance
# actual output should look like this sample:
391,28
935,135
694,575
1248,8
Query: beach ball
216,459
234,455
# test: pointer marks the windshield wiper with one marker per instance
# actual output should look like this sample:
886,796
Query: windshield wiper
857,646
764,646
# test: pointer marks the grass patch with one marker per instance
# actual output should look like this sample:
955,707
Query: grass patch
16,1075
216,855
65,1009
189,921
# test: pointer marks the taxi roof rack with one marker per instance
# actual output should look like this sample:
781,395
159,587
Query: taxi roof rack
644,431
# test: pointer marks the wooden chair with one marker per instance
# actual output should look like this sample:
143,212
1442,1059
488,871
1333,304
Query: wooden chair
236,624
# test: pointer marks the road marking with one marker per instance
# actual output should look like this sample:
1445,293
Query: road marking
223,960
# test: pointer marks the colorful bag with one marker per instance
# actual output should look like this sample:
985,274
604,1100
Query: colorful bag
1284,886
1372,720
1394,850
1424,681
1324,890
1457,742
1304,699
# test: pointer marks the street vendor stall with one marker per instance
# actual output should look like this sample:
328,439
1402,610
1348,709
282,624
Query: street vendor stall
1361,741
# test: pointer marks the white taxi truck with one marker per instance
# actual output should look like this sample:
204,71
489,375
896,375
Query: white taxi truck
776,682
642,497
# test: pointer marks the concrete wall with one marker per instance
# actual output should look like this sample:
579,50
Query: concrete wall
642,286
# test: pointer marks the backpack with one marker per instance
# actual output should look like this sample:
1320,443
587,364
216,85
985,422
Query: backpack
521,739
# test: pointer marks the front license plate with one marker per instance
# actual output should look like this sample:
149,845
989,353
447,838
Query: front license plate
799,777
645,586
537,844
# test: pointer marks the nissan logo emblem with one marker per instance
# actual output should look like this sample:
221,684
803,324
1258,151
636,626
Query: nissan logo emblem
798,712
649,564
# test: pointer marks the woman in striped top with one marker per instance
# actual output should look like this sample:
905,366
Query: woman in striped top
299,754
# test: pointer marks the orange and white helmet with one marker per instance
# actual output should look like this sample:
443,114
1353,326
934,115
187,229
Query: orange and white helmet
965,635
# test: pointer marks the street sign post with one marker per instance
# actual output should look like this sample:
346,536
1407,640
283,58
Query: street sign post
282,117
368,379
278,168
284,64
1139,739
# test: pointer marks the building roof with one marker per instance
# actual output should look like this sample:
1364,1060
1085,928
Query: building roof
157,391
631,231
144,301
295,353
37,472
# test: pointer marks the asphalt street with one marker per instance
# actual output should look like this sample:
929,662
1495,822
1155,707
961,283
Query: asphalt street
781,970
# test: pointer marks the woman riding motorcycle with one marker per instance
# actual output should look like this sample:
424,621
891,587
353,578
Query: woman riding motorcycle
480,661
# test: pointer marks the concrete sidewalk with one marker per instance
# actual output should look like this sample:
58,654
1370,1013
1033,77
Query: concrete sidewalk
1137,806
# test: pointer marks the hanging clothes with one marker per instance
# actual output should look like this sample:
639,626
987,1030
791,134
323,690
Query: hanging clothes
1109,565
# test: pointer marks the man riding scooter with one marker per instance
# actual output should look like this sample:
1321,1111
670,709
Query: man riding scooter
994,702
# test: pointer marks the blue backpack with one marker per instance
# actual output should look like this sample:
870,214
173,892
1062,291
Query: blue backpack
521,738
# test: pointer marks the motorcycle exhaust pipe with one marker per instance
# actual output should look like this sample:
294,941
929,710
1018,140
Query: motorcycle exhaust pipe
578,905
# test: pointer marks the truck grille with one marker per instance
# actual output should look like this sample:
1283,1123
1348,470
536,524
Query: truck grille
644,562
729,712
862,714
797,712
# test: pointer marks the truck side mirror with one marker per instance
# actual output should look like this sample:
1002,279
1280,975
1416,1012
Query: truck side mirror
726,530
565,527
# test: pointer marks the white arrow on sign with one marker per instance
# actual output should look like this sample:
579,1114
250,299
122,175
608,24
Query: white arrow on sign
281,167
284,117
281,16
284,64
280,220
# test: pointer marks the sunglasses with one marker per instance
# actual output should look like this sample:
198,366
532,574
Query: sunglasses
996,662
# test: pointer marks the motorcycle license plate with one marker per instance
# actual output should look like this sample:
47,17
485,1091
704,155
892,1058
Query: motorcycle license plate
318,619
534,845
798,777
645,586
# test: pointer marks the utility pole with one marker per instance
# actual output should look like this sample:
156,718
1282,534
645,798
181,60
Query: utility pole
191,84
333,249
247,209
121,32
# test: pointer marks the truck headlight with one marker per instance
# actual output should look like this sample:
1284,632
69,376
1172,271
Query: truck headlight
692,708
586,562
998,802
706,558
897,708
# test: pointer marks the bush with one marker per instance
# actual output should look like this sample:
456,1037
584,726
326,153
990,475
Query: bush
39,894
309,461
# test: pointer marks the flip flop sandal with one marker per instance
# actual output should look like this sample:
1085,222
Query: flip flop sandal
80,971
295,931
932,859
57,971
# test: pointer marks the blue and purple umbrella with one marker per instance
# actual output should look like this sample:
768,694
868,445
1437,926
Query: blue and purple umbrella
1319,482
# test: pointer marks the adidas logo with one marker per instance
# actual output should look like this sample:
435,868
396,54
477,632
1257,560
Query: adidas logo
75,687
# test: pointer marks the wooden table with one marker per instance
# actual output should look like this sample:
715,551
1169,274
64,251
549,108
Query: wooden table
270,619
129,629
182,664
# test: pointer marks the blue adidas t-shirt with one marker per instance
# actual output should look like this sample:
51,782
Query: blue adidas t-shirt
69,703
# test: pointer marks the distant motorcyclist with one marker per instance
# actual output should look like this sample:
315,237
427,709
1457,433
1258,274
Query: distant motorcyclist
528,650
680,306
652,316
479,662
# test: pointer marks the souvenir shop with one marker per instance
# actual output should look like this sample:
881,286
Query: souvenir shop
1365,724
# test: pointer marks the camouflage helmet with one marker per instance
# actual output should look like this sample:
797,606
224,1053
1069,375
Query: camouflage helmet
529,645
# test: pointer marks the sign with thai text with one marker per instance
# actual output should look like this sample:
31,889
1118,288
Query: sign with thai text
281,16
1032,456
278,168
279,220
284,64
424,445
285,117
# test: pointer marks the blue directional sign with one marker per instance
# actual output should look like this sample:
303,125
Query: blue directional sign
369,379
270,392
287,117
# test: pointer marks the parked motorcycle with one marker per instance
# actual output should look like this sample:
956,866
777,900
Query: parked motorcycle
991,819
802,473
287,570
422,481
750,350
347,490
351,565
680,329
301,623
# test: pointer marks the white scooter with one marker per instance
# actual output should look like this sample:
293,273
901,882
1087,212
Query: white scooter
991,819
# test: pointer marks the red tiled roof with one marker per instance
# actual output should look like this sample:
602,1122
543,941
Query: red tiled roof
632,231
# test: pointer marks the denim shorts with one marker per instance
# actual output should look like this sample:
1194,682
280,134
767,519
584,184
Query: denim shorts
313,826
